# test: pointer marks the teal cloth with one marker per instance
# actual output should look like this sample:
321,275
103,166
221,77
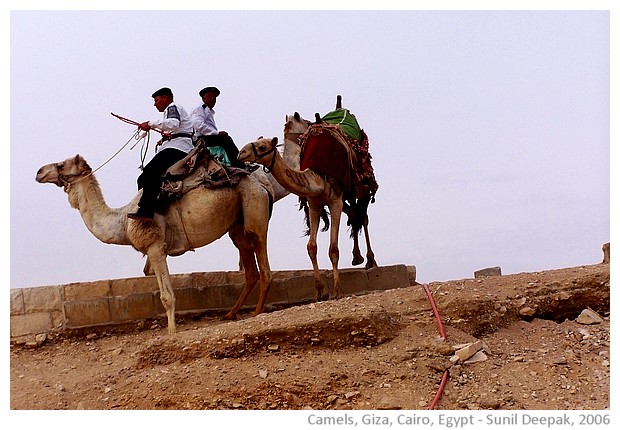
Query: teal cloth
346,121
219,153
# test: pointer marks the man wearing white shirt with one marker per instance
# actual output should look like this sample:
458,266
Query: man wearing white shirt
174,146
203,121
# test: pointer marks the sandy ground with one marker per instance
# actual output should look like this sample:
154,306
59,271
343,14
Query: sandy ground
378,351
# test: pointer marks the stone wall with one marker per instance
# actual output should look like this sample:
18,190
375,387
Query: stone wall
41,310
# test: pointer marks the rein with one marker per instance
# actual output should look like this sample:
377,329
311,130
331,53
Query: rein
64,179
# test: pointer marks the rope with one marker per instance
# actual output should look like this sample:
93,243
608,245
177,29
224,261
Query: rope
138,136
444,379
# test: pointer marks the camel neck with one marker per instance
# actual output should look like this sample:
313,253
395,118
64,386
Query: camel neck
105,223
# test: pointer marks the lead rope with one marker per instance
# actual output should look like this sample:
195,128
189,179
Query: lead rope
137,136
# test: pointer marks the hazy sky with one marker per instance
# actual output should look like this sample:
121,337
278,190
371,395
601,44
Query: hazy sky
489,130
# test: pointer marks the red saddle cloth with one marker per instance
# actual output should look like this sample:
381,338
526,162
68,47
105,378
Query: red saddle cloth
324,154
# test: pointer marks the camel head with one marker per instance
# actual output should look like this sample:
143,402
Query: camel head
63,173
295,124
259,151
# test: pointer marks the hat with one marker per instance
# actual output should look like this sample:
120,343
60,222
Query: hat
209,90
163,92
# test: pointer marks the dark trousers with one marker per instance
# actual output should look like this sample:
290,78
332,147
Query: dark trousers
226,142
150,179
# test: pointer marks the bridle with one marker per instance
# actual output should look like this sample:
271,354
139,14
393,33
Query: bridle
273,158
64,180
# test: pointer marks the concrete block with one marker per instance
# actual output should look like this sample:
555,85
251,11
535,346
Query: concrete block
32,323
299,288
182,281
126,287
606,251
209,279
412,273
353,281
39,299
230,293
278,293
388,277
17,301
236,277
88,312
197,299
490,271
85,291
133,307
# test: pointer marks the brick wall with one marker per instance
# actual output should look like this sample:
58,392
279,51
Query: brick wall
48,309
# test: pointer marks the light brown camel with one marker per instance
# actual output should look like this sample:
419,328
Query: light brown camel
319,190
294,128
206,214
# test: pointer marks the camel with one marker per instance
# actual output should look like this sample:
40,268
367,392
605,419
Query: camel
294,128
319,190
205,216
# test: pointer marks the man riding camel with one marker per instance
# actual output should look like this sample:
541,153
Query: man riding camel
203,120
175,145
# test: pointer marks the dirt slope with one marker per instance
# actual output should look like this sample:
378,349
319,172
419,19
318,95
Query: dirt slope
379,351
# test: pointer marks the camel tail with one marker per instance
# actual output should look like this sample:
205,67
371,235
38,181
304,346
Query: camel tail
303,204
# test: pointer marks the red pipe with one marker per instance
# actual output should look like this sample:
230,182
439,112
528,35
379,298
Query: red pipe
444,379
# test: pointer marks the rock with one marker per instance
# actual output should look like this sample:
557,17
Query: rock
468,350
605,253
559,361
476,358
588,317
490,404
526,311
440,364
263,373
40,339
351,394
445,349
489,271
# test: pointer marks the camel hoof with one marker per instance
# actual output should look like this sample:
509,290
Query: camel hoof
229,316
357,260
371,264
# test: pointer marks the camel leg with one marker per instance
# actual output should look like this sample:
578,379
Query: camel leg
370,256
265,276
251,277
357,254
157,257
148,270
334,253
314,216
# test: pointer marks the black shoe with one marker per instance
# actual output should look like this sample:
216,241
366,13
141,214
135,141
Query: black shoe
142,214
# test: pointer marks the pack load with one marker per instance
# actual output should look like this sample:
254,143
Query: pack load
336,145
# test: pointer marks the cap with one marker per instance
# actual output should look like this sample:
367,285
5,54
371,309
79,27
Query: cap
209,90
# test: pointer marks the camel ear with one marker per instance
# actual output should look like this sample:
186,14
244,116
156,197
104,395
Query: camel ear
76,159
259,137
297,117
274,140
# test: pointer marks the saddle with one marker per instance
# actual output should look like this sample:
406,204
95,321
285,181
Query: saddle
330,149
200,168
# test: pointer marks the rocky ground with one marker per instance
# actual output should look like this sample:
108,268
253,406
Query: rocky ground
379,351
